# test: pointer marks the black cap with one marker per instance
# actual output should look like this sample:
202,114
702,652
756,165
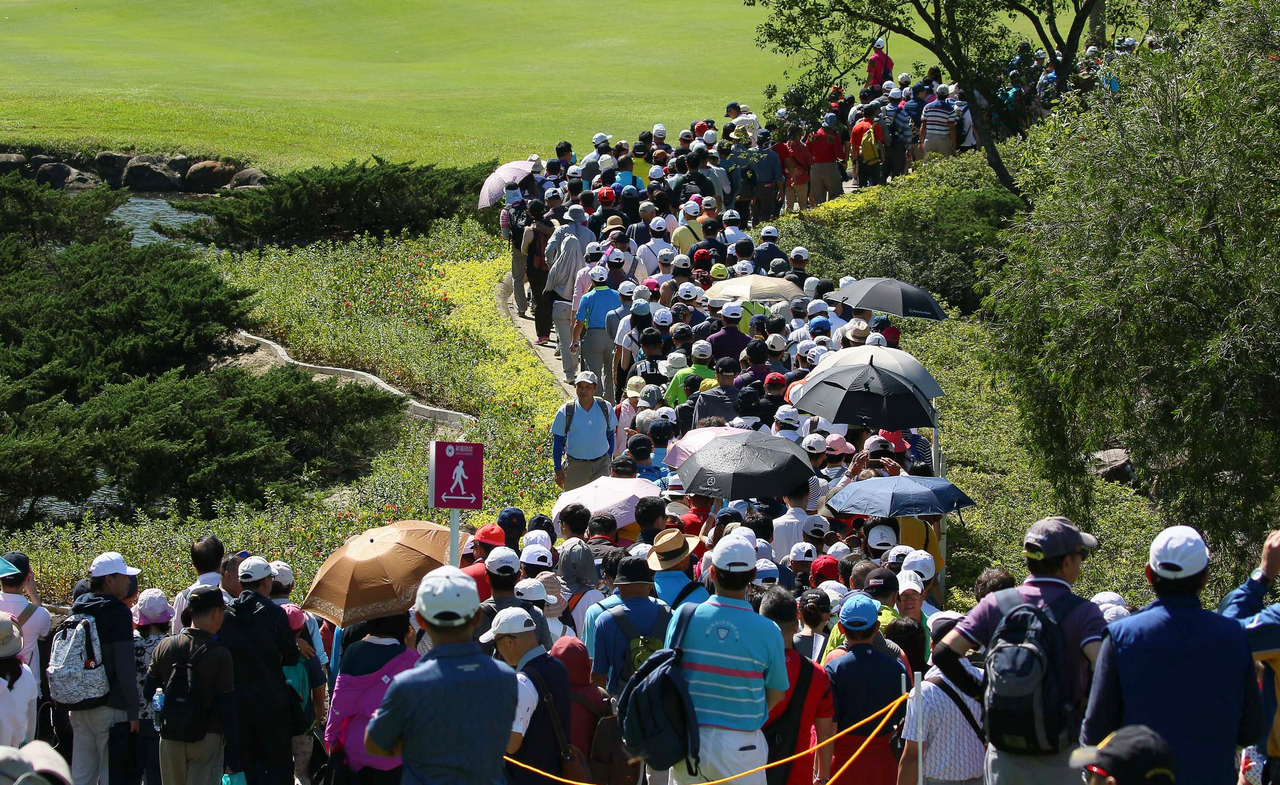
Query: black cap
1133,755
728,365
640,446
205,598
20,562
881,580
633,569
732,105
625,465
817,598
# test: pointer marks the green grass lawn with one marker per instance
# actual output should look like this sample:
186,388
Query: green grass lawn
295,82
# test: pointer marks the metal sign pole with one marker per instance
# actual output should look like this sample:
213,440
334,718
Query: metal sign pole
455,528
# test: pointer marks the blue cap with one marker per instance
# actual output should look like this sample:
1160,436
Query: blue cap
766,572
859,611
878,323
630,190
7,569
640,307
511,519
820,323
830,120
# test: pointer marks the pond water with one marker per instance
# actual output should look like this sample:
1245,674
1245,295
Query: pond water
143,209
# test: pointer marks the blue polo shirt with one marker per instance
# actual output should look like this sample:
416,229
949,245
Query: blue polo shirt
612,648
420,709
731,656
671,582
1185,672
863,682
595,305
591,429
593,613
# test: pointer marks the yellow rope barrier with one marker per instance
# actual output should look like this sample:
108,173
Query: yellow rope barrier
886,711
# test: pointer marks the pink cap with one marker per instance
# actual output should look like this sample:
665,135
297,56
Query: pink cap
295,616
894,438
837,445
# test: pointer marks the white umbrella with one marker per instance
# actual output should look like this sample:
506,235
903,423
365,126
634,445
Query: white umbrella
754,288
695,440
894,360
496,184
614,495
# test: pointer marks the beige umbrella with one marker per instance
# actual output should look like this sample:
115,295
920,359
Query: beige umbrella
376,573
754,288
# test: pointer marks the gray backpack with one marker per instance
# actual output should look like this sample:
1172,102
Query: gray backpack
572,406
77,673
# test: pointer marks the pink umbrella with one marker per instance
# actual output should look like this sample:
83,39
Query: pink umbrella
695,440
496,183
614,495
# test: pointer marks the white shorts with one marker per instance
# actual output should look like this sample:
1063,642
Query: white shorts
724,753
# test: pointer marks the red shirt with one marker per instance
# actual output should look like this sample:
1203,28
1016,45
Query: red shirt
801,159
826,147
481,577
860,130
818,705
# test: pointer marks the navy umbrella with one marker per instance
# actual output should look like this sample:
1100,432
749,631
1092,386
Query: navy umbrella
888,295
901,496
867,396
744,466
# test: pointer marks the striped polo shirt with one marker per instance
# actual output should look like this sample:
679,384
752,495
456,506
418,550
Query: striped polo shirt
731,655
939,113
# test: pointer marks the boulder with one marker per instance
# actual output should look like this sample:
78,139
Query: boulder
248,178
209,176
150,158
81,181
38,161
180,164
110,165
54,175
12,162
142,175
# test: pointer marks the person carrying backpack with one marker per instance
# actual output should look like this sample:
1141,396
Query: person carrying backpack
626,634
199,728
897,134
1032,724
91,668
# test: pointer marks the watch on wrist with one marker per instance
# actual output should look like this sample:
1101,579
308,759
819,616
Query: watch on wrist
1260,576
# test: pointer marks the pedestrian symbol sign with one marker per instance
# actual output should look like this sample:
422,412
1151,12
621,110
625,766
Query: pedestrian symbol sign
457,475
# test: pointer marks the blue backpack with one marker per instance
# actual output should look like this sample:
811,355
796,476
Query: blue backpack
655,710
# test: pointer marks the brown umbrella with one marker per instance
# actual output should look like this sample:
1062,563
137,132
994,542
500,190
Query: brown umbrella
754,288
377,573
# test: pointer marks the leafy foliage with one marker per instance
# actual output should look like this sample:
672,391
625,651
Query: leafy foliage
37,215
336,202
935,228
1138,304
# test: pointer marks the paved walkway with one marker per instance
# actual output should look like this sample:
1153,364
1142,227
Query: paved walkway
506,307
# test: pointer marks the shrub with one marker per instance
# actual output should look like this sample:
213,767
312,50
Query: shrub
337,202
934,228
37,215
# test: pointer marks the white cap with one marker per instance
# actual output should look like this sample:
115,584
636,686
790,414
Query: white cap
688,290
502,561
691,208
658,224
732,310
787,415
815,443
897,553
283,573
626,288
666,413
709,137
744,268
662,317
1114,613
770,232
938,618
594,247
836,590
701,349
1178,552
447,597
703,298
575,172
904,78
1104,598
537,537
112,563
537,555
879,43
659,129
895,93
921,563
255,568
616,255
731,215
607,162
838,551
881,538
586,377
887,86
909,581
816,307
814,525
599,274
743,533
775,342
764,550
698,145
815,355
781,114
531,589
804,347
803,551
509,621
876,339
600,138
734,554
800,251
657,172
643,294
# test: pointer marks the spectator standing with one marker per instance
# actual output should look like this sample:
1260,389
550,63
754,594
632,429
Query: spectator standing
879,65
512,223
829,152
718,401
577,566
938,125
367,669
152,617
582,435
628,632
770,178
18,688
1136,663
418,717
200,762
807,713
669,558
257,634
1133,755
109,583
589,702
485,539
207,554
312,645
20,598
503,566
591,339
729,650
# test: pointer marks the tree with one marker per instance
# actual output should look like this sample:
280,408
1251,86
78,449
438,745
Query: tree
968,37
1138,304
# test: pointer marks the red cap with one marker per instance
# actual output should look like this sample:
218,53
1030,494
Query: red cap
702,254
775,378
891,334
824,568
699,129
605,194
895,438
491,534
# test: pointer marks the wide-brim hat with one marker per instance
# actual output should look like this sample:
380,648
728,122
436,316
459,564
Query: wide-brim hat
670,548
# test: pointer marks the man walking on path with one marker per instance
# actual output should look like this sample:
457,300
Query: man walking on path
591,339
582,436
627,633
814,716
828,150
938,124
669,558
1134,670
735,668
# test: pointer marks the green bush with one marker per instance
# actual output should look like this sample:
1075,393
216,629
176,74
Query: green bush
37,215
336,202
934,228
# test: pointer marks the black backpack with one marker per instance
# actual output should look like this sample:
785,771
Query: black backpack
782,734
519,220
184,713
1028,710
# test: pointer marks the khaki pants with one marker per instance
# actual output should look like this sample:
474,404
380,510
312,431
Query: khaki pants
1003,768
597,355
192,763
797,195
91,729
940,145
579,473
562,320
824,181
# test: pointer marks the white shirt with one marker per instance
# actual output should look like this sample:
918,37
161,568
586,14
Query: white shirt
37,627
786,531
526,703
731,235
952,750
591,597
559,629
180,602
18,710
648,256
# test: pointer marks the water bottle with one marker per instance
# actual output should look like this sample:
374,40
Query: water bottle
157,706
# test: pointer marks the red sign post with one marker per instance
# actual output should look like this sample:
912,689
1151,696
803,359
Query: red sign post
456,482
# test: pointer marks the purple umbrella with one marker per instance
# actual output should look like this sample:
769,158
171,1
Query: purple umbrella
496,183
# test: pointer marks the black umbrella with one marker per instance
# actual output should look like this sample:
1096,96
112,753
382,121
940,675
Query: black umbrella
745,466
888,295
868,396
